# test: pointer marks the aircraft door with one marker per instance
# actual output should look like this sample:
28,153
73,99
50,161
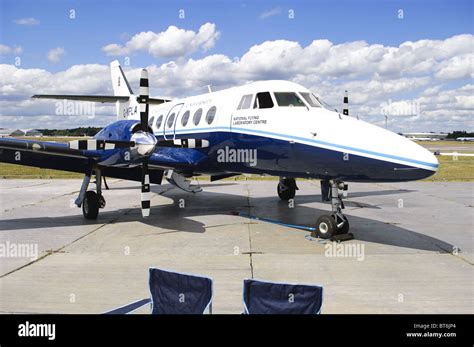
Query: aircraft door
170,121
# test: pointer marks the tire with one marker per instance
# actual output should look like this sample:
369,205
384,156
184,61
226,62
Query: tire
286,192
90,205
325,227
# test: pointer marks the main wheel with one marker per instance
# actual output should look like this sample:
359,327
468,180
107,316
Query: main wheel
286,191
90,205
325,227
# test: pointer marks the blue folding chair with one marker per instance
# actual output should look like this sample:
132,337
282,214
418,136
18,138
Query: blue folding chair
261,297
174,293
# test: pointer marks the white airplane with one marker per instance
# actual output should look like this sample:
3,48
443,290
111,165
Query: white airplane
275,128
469,139
431,139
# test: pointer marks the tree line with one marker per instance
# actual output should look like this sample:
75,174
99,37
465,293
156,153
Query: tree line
82,131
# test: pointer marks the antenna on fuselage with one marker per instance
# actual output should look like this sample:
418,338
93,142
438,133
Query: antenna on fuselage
209,88
345,110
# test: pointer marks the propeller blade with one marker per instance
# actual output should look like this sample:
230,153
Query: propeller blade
146,195
143,99
184,143
95,145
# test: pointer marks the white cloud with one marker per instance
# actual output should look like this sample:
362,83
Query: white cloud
173,42
78,79
18,110
55,54
415,76
7,50
27,21
457,67
270,13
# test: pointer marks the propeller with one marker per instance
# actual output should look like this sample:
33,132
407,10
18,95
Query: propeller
144,108
142,141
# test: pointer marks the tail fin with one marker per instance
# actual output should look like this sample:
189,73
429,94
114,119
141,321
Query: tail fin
119,81
121,87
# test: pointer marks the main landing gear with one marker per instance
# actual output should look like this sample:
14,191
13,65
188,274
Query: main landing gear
334,226
328,226
91,201
287,188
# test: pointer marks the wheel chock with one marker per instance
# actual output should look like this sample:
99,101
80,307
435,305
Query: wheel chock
342,237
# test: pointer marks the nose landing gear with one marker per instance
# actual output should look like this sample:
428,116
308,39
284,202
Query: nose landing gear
328,226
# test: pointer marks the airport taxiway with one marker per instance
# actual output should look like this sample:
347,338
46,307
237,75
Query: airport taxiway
417,237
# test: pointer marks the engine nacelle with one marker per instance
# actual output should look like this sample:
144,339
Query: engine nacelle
126,130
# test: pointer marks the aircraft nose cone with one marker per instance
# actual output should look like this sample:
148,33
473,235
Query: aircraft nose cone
428,157
397,158
424,156
424,161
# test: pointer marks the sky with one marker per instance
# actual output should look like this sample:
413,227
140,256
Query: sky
411,61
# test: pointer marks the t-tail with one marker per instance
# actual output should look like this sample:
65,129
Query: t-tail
126,102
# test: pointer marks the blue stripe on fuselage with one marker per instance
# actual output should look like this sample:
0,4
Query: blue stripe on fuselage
278,157
361,151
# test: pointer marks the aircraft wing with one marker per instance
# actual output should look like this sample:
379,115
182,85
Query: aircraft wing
60,156
42,147
96,98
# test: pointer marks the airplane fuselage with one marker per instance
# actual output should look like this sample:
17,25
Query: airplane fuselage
256,135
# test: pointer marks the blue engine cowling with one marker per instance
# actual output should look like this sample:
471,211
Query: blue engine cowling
121,130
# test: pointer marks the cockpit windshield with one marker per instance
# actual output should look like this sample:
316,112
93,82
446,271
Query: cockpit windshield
286,99
311,99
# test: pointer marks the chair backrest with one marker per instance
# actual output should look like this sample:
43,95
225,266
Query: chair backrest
281,298
179,293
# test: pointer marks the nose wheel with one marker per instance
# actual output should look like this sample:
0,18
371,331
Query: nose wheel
328,226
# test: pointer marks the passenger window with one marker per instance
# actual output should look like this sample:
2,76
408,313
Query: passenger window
185,118
150,122
288,99
263,100
170,121
211,114
197,116
159,121
245,102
